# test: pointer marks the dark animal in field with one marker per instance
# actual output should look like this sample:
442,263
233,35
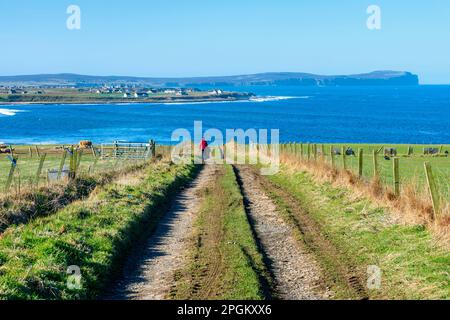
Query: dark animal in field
391,152
336,151
387,158
350,152
430,151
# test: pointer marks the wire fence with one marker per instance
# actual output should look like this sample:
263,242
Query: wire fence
426,170
29,167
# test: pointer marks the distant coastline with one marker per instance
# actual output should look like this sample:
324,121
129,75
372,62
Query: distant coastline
115,102
376,78
43,99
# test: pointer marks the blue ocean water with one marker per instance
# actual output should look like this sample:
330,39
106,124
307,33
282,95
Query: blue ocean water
308,114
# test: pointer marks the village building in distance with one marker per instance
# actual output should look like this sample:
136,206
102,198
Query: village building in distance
110,94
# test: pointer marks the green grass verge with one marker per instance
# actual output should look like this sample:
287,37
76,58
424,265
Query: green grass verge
244,261
93,234
225,262
44,201
413,266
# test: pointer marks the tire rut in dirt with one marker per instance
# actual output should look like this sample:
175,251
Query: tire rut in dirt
295,273
209,240
340,269
148,273
206,250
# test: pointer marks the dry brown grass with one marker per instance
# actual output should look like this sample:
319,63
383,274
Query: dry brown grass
132,179
31,202
413,206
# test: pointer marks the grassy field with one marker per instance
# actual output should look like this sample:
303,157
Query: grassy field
28,163
224,262
413,265
411,168
93,234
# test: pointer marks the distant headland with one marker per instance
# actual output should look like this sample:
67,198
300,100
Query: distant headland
376,78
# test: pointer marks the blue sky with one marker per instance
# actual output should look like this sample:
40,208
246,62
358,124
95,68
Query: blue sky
212,37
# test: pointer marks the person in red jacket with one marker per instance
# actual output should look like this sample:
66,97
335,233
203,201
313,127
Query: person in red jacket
203,146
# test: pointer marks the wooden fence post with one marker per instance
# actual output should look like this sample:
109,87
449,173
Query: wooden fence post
360,162
375,162
309,151
79,155
396,175
153,149
94,164
72,163
30,152
94,154
301,151
315,152
322,156
333,165
344,160
410,151
61,164
432,189
39,170
11,173
37,151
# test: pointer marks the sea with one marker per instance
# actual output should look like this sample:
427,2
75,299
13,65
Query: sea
410,115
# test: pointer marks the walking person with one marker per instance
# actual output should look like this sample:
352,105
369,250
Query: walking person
203,146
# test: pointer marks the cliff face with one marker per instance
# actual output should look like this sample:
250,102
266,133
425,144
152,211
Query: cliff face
377,78
401,79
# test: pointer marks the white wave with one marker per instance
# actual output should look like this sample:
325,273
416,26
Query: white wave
431,133
9,112
30,142
46,142
198,102
276,98
253,99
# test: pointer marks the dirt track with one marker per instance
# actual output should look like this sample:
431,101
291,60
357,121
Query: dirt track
148,273
296,273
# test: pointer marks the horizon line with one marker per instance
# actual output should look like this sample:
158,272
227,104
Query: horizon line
220,76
